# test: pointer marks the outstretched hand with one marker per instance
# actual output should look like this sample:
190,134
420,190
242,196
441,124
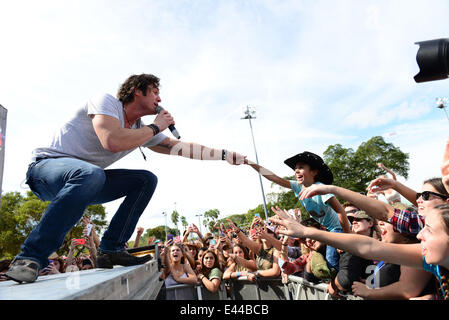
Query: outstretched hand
235,158
291,228
445,167
380,184
313,190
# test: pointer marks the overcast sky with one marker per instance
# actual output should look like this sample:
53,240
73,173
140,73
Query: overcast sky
317,72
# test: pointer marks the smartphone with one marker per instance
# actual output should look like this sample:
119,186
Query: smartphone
213,242
257,215
170,237
80,241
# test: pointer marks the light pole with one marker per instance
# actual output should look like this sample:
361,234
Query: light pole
250,113
199,220
442,104
165,214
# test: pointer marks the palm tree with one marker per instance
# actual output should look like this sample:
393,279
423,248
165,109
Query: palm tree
184,222
175,218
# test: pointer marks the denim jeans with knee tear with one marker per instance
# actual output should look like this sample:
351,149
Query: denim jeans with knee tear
71,185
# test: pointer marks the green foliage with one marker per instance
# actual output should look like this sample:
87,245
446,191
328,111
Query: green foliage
20,214
184,222
353,170
210,217
159,233
175,217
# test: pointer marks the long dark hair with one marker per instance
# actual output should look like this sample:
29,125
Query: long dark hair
245,251
167,257
437,183
205,270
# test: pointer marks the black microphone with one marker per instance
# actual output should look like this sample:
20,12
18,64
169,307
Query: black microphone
171,127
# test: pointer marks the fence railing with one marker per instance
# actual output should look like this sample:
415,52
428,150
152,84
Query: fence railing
296,288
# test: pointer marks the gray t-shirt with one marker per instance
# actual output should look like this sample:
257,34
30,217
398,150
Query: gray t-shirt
77,137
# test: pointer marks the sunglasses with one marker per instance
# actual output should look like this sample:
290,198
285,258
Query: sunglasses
352,219
426,195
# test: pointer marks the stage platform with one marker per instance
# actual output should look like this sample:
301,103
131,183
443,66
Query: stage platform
120,283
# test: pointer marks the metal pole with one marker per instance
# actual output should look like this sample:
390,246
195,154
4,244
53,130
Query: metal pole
446,113
165,214
257,161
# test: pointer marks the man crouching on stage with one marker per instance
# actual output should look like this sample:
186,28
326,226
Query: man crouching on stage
70,172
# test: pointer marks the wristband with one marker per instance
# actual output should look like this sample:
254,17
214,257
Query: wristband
223,154
237,274
155,128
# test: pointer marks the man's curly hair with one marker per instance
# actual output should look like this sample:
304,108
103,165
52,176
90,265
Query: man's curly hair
141,82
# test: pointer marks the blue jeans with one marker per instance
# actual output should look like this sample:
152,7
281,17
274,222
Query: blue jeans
72,185
332,256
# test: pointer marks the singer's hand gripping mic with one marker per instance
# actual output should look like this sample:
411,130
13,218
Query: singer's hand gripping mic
171,127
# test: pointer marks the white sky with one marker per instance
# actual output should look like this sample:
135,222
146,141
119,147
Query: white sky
318,73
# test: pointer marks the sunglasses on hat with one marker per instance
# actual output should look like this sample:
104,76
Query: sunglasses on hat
426,195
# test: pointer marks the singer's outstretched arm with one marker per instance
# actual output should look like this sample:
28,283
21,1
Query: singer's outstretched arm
269,175
196,151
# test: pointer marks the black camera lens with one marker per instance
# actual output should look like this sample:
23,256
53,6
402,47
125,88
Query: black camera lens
433,60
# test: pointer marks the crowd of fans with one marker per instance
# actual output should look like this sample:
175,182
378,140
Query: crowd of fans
269,249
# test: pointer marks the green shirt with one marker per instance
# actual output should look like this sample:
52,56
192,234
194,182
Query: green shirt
215,274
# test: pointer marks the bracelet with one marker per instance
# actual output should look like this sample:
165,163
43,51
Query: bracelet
155,128
223,154
237,274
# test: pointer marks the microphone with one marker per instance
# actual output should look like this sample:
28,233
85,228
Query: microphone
171,127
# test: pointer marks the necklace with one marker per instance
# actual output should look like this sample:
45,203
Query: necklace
126,116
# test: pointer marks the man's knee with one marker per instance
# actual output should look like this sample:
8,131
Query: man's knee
149,178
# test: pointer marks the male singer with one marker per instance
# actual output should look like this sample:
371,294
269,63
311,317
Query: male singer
70,172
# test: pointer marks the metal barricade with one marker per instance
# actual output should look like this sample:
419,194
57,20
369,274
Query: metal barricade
296,288
261,289
196,292
302,289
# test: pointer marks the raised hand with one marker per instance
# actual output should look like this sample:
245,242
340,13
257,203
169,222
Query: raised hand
313,190
380,184
235,158
291,228
445,167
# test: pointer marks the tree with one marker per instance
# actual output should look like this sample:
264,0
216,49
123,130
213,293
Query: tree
184,222
175,218
210,217
159,232
20,214
354,170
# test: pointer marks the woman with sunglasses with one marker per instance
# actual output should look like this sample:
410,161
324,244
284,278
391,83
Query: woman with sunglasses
431,254
433,192
409,222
